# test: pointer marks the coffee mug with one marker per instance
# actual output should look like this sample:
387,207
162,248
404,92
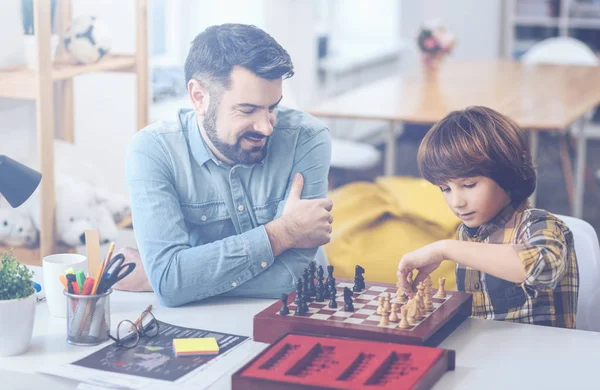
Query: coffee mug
53,266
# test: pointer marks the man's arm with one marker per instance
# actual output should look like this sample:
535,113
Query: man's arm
178,272
300,231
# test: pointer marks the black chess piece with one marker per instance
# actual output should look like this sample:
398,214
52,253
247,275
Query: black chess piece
298,292
329,274
359,281
332,283
332,303
320,295
312,268
320,273
300,310
285,310
348,306
306,285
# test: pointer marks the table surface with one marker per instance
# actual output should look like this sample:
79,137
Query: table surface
499,354
537,97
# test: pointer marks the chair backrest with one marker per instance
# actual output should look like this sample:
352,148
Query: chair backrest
560,50
587,250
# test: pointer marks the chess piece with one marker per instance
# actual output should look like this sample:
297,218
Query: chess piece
394,314
403,318
380,307
441,293
284,305
348,306
300,309
412,312
332,296
384,321
329,275
312,268
386,306
359,281
298,293
320,289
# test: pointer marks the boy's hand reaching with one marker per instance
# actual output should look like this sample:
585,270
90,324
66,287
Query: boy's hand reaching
425,260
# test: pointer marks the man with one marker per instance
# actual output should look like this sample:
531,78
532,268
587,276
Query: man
230,199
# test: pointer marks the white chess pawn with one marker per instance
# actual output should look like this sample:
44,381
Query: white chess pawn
386,306
384,321
380,306
404,318
394,314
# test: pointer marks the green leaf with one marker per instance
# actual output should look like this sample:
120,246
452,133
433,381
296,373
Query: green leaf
15,278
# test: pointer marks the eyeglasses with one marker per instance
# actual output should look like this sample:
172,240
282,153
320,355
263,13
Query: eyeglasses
129,333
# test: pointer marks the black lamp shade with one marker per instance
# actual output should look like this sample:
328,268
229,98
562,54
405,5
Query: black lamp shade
17,181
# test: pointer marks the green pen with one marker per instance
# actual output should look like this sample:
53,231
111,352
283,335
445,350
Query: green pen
80,276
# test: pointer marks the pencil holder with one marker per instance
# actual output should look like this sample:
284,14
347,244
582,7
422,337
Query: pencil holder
88,318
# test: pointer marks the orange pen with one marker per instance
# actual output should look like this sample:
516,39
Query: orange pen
64,281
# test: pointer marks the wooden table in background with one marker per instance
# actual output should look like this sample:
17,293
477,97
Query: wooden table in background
537,97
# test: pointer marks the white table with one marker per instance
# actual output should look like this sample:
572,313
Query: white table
489,354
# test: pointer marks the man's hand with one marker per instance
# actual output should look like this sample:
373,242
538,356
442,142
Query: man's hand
304,223
425,260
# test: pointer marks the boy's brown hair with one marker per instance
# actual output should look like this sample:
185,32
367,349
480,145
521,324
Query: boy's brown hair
478,141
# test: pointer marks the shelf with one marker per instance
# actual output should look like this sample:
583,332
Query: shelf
31,256
20,82
585,23
545,21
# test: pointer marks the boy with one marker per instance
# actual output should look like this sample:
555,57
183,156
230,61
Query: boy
518,262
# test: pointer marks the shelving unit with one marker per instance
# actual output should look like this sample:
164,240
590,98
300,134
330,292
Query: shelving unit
25,83
529,21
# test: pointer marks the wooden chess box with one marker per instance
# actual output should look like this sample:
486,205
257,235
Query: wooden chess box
302,362
363,322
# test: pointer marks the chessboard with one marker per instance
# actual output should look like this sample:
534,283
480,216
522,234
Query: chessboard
297,362
364,322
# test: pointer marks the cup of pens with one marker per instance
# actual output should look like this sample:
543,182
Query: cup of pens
88,300
88,318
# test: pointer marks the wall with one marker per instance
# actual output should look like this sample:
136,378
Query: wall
475,23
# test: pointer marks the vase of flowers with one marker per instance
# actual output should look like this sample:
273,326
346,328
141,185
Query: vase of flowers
435,42
17,306
30,43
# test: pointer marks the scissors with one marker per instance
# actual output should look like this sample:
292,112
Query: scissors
115,270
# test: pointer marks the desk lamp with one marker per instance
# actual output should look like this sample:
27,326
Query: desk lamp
17,181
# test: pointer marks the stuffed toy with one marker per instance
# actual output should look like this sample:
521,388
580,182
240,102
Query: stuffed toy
77,209
16,227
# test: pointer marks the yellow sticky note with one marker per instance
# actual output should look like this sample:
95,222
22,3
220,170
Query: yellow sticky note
196,346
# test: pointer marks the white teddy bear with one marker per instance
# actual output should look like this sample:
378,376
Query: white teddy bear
16,227
77,209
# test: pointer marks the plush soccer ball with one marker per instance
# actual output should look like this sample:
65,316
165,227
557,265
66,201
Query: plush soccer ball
87,39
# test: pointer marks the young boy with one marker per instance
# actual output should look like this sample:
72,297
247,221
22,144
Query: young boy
518,262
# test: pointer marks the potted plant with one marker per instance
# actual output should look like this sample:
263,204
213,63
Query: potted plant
27,12
17,306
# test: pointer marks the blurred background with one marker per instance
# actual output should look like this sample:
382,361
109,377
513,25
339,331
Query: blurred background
106,93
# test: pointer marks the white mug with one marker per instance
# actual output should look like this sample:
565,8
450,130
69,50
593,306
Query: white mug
53,266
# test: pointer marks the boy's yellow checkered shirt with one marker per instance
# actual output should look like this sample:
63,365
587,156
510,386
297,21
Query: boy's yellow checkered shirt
545,245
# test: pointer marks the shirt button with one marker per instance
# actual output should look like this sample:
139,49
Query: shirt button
263,264
241,207
476,286
234,284
203,217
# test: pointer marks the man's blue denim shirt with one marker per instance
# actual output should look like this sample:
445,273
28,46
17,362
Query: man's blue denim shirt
199,222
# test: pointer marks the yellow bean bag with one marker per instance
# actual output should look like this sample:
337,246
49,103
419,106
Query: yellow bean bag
374,224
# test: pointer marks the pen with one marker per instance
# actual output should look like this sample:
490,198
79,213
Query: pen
70,287
87,286
63,280
80,276
70,270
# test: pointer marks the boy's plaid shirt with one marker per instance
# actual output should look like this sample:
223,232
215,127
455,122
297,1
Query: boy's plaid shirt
545,245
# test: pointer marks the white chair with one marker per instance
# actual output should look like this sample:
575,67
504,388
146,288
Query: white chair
560,50
345,153
587,250
565,51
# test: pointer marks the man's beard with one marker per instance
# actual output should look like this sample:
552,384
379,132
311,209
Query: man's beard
233,152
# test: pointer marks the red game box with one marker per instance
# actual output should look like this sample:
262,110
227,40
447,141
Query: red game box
363,322
303,362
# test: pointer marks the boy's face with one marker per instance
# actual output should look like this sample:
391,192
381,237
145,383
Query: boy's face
475,200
